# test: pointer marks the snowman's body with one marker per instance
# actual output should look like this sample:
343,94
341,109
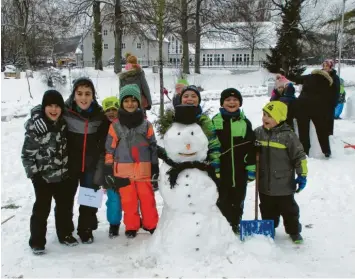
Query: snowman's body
191,225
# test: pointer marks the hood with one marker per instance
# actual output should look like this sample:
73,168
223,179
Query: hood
324,74
131,74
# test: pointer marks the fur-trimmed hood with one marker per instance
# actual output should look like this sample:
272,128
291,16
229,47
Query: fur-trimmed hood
324,74
134,73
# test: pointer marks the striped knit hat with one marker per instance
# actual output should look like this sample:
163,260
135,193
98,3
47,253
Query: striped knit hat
130,90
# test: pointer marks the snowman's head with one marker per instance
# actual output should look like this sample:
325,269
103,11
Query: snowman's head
185,143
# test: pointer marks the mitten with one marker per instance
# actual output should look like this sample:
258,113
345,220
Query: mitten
121,182
154,171
37,179
251,176
109,177
96,187
302,182
40,126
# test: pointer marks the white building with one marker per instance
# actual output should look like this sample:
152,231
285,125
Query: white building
146,49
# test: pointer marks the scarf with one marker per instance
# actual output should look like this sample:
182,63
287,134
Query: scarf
130,119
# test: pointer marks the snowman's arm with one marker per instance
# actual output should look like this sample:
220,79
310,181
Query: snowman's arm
110,145
152,144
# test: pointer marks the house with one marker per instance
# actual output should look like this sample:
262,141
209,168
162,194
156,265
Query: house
145,47
64,51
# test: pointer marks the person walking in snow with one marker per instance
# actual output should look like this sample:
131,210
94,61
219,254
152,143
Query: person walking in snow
113,203
328,66
341,101
131,155
313,105
285,92
281,155
179,86
237,138
134,74
45,159
87,130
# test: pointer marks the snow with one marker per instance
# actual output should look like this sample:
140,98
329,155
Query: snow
326,204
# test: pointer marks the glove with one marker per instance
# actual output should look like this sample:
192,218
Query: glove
121,182
251,176
40,126
96,187
154,171
302,182
37,179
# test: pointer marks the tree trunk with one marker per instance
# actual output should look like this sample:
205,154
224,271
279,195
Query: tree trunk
118,37
161,62
97,35
198,38
252,54
184,37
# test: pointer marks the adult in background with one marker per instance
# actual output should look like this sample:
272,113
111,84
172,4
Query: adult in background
328,66
313,104
134,74
179,86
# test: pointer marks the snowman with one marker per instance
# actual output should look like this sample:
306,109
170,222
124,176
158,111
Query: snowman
191,225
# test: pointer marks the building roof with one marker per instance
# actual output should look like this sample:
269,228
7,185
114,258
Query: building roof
68,45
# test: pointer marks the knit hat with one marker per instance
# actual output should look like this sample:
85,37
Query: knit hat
277,110
84,81
191,88
130,90
281,81
110,102
328,62
52,97
182,81
231,92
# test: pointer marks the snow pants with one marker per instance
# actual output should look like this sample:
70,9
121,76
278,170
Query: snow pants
231,203
139,193
338,110
271,207
114,208
321,123
63,211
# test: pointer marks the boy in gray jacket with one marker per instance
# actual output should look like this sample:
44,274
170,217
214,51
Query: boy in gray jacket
281,156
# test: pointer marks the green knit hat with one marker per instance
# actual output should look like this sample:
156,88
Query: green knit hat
182,81
130,90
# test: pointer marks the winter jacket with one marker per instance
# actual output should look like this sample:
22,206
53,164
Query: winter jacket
214,146
176,100
137,76
342,93
287,97
131,151
335,88
237,138
280,156
46,155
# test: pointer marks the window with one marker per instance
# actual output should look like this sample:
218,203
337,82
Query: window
123,45
177,47
105,32
93,60
233,55
180,48
93,46
139,45
223,59
203,59
105,46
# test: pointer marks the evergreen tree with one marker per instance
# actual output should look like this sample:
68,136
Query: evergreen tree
286,55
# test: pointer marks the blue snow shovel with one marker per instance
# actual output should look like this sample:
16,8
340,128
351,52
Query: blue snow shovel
253,227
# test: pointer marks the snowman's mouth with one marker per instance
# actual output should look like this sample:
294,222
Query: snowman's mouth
187,154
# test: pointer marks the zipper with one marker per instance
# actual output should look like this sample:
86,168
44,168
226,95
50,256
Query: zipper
84,148
232,153
268,161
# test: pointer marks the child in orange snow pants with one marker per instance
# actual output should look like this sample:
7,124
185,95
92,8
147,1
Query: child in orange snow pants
131,162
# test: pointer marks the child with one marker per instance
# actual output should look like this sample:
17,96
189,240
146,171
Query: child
236,136
45,159
281,156
341,101
87,130
179,86
113,203
131,154
191,96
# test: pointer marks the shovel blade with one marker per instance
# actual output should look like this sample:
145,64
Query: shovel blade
252,227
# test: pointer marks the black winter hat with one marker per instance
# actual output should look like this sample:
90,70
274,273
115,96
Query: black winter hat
86,82
231,92
185,114
51,97
191,88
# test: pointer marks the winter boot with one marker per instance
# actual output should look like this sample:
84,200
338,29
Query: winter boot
86,236
113,231
131,233
297,238
36,250
236,229
69,240
151,230
155,186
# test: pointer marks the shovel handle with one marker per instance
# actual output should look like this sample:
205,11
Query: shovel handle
258,146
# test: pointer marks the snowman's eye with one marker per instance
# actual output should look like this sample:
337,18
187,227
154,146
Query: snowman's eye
192,133
178,133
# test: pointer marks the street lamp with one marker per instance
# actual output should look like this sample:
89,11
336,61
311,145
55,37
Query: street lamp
341,36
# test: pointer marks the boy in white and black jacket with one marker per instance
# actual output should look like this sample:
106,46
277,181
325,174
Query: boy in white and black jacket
45,159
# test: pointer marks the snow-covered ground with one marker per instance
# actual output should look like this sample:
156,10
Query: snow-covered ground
327,211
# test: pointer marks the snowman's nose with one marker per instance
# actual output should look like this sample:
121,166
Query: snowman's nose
188,146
